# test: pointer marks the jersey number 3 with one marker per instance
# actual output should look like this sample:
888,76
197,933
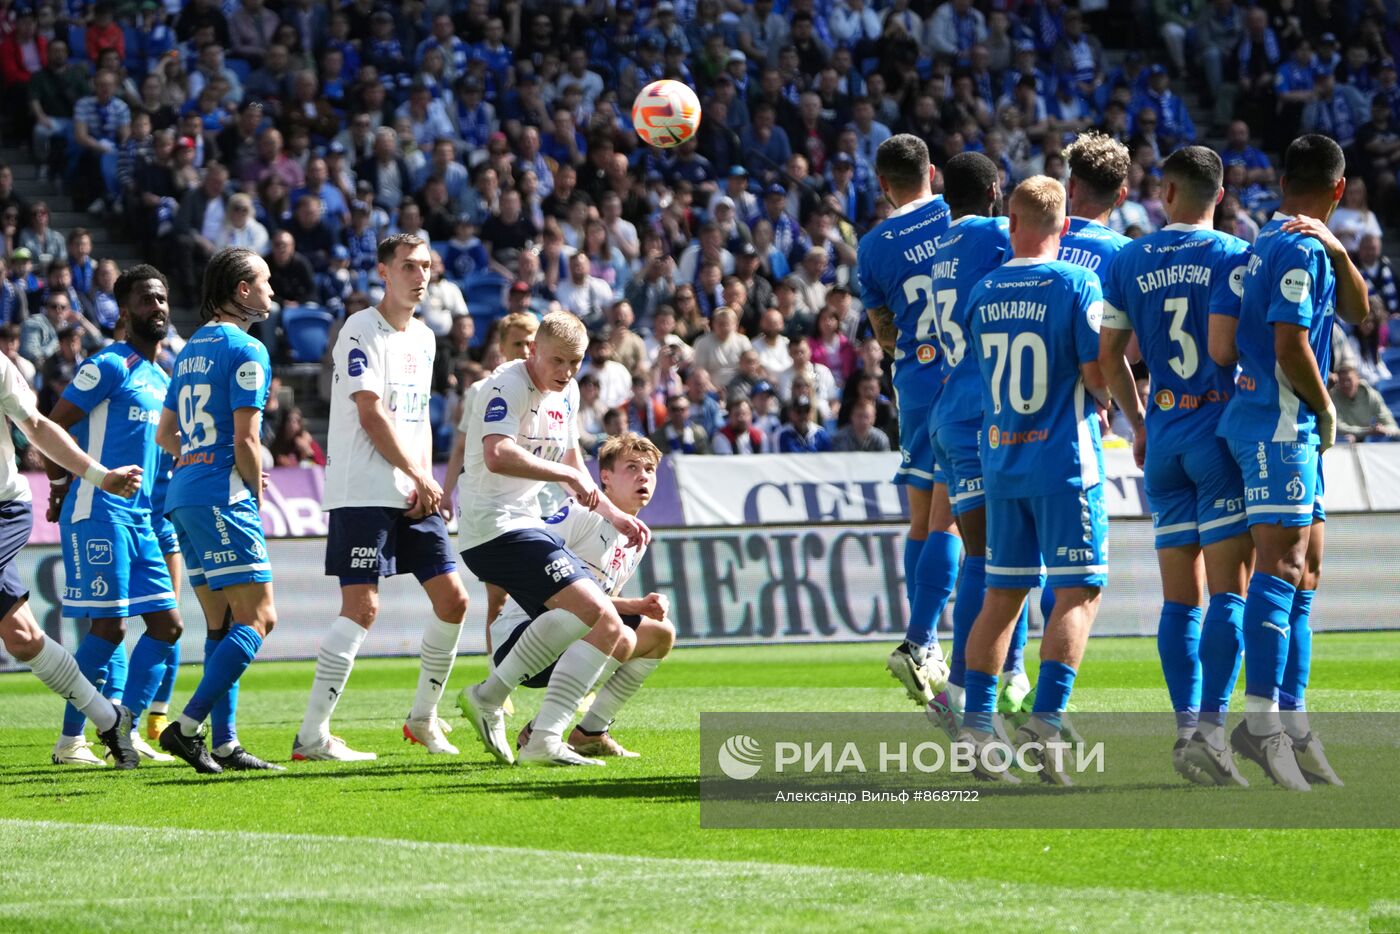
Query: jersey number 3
196,425
1188,361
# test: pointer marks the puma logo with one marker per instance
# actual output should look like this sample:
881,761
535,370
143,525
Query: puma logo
334,693
435,681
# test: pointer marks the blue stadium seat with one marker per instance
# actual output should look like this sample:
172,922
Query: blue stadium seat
1391,356
1390,391
484,292
307,331
240,68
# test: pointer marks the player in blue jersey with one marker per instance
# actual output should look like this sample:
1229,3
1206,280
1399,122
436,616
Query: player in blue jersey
892,261
1034,326
113,567
1098,183
1278,423
974,244
211,425
1163,289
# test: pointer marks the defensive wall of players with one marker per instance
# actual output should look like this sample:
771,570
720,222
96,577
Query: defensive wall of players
783,549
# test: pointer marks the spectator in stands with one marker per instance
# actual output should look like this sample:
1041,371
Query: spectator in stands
54,92
801,435
772,345
1362,414
1366,340
198,224
22,56
60,367
679,435
1335,110
816,376
293,445
43,242
583,293
1353,218
719,351
628,348
313,236
241,228
9,346
644,411
867,386
860,434
508,231
1232,219
740,435
251,30
747,375
442,302
590,413
101,124
705,409
808,281
293,280
80,260
1378,272
614,381
103,301
1238,151
831,347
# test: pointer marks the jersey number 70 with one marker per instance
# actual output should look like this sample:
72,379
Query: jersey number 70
1007,355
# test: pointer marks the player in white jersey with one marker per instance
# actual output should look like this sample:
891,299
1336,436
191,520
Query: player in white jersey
515,333
383,502
627,472
19,630
524,435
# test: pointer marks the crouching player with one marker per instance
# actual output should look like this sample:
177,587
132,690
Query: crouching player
627,467
1035,327
523,435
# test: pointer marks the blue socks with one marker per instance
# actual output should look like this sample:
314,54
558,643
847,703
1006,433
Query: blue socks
1222,639
114,687
93,655
980,701
1178,645
148,666
1016,652
935,575
167,681
913,551
1052,690
1299,664
972,589
223,666
1267,609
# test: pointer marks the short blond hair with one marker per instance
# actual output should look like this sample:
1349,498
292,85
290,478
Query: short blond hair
627,445
1039,201
520,320
563,327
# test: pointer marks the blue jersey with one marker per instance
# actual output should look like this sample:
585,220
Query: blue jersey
1165,287
165,467
1091,245
972,247
893,264
1288,280
122,393
221,370
1033,322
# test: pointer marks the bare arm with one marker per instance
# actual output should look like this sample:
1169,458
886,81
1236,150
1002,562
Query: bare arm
1221,340
247,448
1113,364
168,433
65,415
1094,382
1295,358
882,323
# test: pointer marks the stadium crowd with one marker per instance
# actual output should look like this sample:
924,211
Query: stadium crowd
717,279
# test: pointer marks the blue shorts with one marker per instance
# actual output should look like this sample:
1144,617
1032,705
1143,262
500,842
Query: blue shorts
113,571
1060,540
165,534
1196,497
919,468
365,543
1282,482
223,545
16,522
955,447
540,679
531,565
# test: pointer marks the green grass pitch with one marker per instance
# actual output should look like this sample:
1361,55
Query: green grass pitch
418,843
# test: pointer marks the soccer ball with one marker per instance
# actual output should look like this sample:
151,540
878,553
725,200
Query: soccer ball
666,113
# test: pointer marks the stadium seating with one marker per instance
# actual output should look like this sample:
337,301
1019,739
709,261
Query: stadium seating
307,331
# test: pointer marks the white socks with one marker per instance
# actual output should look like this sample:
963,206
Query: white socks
333,663
1295,724
159,707
616,691
575,673
543,641
59,672
1261,716
438,652
956,693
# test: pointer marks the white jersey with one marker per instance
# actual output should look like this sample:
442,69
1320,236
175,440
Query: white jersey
593,540
18,404
397,366
542,423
